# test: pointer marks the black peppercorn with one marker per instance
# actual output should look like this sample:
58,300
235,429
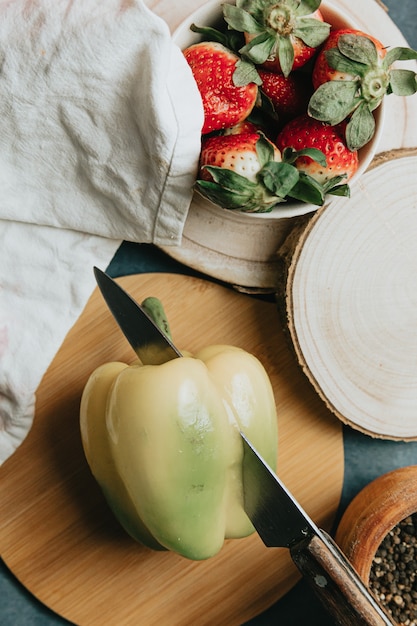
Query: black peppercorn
393,575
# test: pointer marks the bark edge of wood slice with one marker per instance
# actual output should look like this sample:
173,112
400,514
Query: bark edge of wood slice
347,291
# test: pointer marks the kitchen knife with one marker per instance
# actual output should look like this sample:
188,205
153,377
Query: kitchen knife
151,345
278,518
281,522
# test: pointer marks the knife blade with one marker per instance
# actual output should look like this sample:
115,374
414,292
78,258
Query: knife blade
151,345
281,522
276,515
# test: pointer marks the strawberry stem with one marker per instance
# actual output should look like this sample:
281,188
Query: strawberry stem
375,85
279,19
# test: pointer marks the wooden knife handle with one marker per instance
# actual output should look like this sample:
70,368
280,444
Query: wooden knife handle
337,584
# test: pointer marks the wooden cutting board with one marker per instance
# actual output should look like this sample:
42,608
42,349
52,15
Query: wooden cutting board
57,534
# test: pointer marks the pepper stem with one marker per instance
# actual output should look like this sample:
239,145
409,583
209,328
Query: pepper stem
153,307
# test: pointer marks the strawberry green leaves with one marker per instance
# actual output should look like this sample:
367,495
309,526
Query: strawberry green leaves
279,178
231,191
228,38
402,82
334,101
311,31
307,188
360,78
241,20
260,48
307,7
272,28
358,48
360,128
245,73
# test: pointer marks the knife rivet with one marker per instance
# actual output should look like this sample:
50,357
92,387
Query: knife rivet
321,581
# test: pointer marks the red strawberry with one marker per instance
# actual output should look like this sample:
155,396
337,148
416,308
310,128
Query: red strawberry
233,170
351,75
236,152
304,132
225,103
289,95
279,36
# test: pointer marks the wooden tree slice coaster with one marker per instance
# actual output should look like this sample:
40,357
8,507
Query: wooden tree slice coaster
348,290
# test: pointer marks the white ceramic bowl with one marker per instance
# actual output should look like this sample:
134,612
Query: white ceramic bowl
237,247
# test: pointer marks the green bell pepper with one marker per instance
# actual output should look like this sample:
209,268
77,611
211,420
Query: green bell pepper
163,442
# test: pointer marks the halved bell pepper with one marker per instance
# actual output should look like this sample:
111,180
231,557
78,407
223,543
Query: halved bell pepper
163,442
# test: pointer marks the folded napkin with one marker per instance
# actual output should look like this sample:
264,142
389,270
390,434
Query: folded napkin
100,124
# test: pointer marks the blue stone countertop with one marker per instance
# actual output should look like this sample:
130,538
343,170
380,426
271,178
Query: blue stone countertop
299,607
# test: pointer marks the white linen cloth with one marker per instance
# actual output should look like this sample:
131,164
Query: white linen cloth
100,123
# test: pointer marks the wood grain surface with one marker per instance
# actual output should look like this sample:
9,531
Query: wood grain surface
57,534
